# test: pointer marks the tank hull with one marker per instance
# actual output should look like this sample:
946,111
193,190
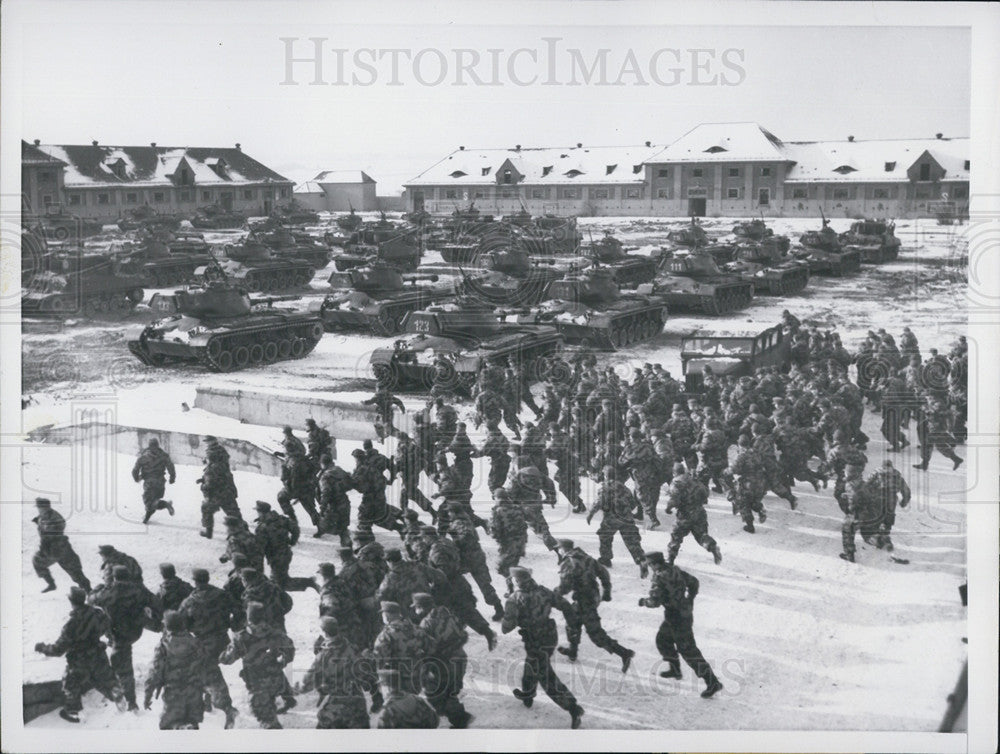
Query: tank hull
609,328
380,315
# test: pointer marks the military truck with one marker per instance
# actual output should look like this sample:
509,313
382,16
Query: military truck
733,353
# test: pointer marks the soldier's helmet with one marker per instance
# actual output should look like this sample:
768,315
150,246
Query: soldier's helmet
256,613
520,575
261,506
43,502
153,442
173,621
609,472
200,575
636,434
679,469
105,549
393,556
329,625
326,570
887,463
167,570
422,601
286,429
233,521
564,544
501,495
654,557
412,515
120,573
428,531
310,422
391,609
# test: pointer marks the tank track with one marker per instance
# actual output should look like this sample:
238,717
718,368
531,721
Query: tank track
626,329
256,346
115,305
265,280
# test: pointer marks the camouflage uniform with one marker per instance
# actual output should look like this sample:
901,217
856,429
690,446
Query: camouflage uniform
276,535
883,487
689,497
497,449
125,603
407,710
111,558
407,465
405,578
218,489
445,426
749,489
361,584
265,650
714,447
210,613
616,502
639,457
275,600
590,584
152,465
179,671
334,505
374,509
336,601
335,674
567,476
319,443
855,505
172,593
54,547
443,670
510,530
675,590
934,432
842,455
86,662
299,483
683,436
526,488
384,401
401,647
473,559
462,450
239,538
528,609
763,445
794,444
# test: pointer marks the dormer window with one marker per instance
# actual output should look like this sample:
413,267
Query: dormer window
636,169
925,172
609,169
116,167
218,166
546,170
486,171
573,173
508,177
890,166
715,149
966,164
458,174
844,169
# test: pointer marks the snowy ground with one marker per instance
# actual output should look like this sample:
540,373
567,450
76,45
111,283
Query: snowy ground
801,639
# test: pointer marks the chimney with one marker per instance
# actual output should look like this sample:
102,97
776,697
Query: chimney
939,136
38,142
461,149
238,147
649,143
152,143
850,138
94,142
579,144
517,147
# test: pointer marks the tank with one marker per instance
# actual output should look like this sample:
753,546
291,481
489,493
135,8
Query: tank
376,298
219,327
162,259
294,213
824,253
694,282
449,344
396,245
255,266
35,253
693,237
145,217
548,237
874,239
349,222
296,245
755,230
59,225
81,284
589,309
630,269
522,219
214,217
508,276
771,272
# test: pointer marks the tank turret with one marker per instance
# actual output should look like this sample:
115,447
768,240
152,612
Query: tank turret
81,283
690,236
694,282
396,245
630,269
349,222
215,217
825,254
874,239
254,266
221,328
755,230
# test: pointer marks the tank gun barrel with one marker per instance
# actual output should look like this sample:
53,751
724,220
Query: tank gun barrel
420,278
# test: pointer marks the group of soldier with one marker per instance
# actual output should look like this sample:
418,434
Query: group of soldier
393,622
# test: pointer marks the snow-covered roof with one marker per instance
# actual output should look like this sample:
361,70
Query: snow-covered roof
89,165
343,176
724,142
873,161
543,165
30,154
309,187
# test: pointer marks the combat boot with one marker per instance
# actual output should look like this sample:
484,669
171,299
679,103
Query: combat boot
168,505
206,533
377,701
491,640
627,656
748,527
848,556
606,562
70,717
576,714
643,570
714,685
673,672
230,718
50,586
569,651
526,699
289,702
716,553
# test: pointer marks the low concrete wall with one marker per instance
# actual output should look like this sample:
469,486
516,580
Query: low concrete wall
344,420
184,447
39,698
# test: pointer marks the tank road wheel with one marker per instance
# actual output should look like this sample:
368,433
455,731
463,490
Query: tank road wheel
256,354
241,356
710,305
298,348
385,324
270,352
135,295
632,332
284,348
214,349
385,375
316,332
224,362
252,283
618,337
307,276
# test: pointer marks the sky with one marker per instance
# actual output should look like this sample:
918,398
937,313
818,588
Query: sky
211,74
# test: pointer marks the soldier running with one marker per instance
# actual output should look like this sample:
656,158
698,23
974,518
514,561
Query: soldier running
616,503
179,673
54,547
152,465
689,497
338,674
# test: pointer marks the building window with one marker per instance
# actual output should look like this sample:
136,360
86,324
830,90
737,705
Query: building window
890,166
923,193
960,192
765,172
159,197
663,173
74,200
507,177
284,193
47,200
967,163
633,193
104,198
697,172
733,193
206,196
45,177
131,198
764,197
841,193
506,194
599,193
800,193
880,193
663,193
925,172
570,193
248,193
734,172
539,193
486,171
185,196
451,193
479,194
